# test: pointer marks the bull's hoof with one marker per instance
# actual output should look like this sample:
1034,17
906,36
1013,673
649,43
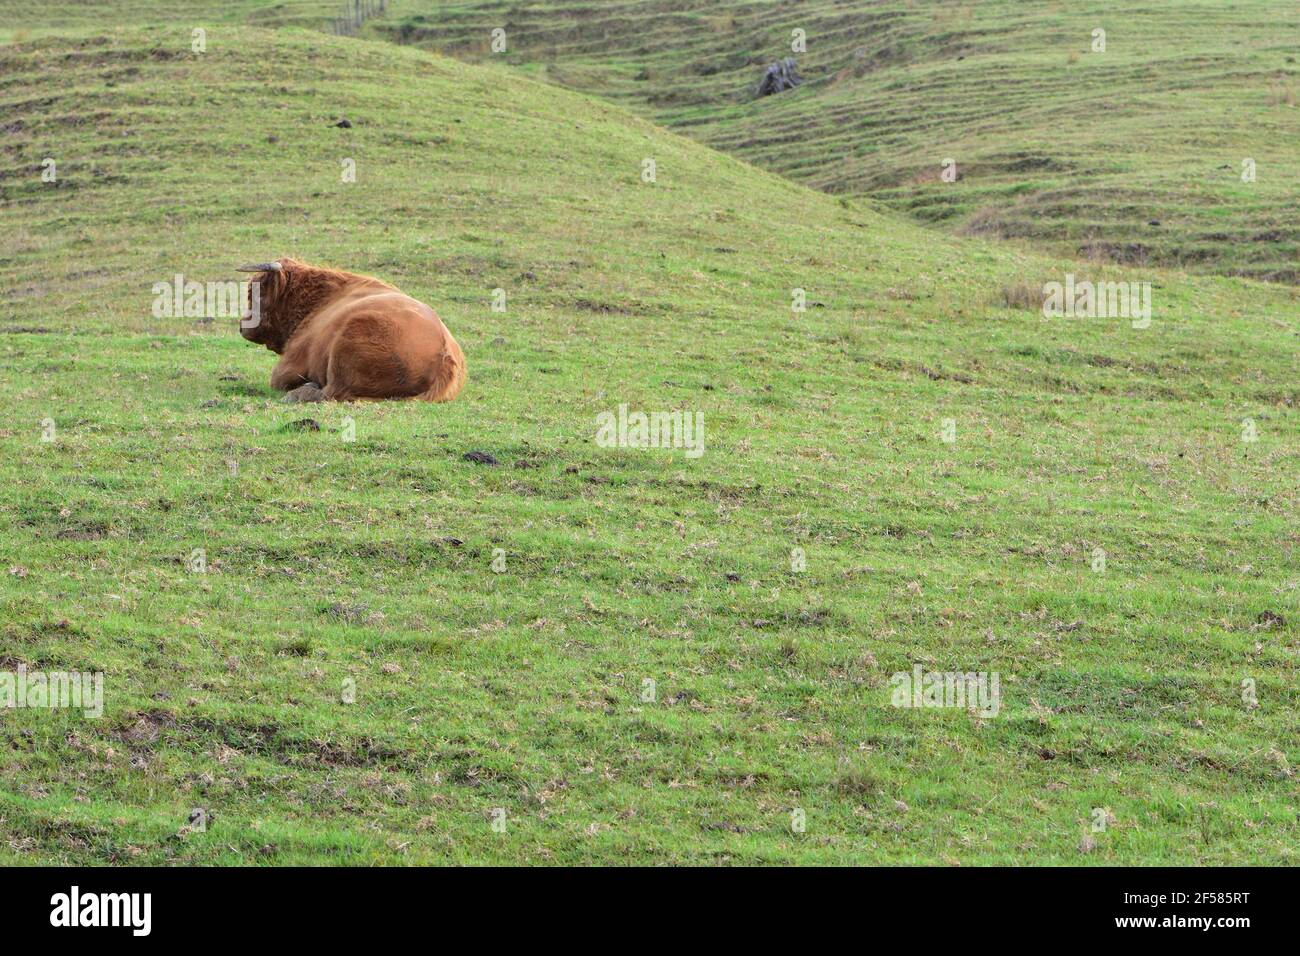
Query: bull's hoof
305,393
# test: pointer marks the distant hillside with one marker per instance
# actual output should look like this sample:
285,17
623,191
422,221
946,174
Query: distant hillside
22,20
1133,154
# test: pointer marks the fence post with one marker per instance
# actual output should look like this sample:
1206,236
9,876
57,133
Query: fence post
355,13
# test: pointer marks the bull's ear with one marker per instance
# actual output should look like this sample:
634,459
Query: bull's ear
261,267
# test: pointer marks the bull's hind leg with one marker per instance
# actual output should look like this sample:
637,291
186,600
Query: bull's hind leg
341,391
365,363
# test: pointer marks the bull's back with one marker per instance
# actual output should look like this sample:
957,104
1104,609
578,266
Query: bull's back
388,345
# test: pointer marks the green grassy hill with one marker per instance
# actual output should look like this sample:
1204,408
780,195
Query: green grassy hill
1131,155
329,561
21,21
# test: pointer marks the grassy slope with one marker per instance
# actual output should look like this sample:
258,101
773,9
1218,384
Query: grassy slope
1054,143
331,560
21,20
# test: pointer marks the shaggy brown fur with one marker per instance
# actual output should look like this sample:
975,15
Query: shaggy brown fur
351,335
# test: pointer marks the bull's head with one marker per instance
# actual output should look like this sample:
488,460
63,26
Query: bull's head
284,292
262,321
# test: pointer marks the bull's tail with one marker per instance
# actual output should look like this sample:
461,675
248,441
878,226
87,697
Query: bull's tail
450,377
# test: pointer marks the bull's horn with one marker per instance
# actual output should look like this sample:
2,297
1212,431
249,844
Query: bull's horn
260,267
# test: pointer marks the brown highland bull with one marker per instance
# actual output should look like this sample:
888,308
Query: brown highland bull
343,336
